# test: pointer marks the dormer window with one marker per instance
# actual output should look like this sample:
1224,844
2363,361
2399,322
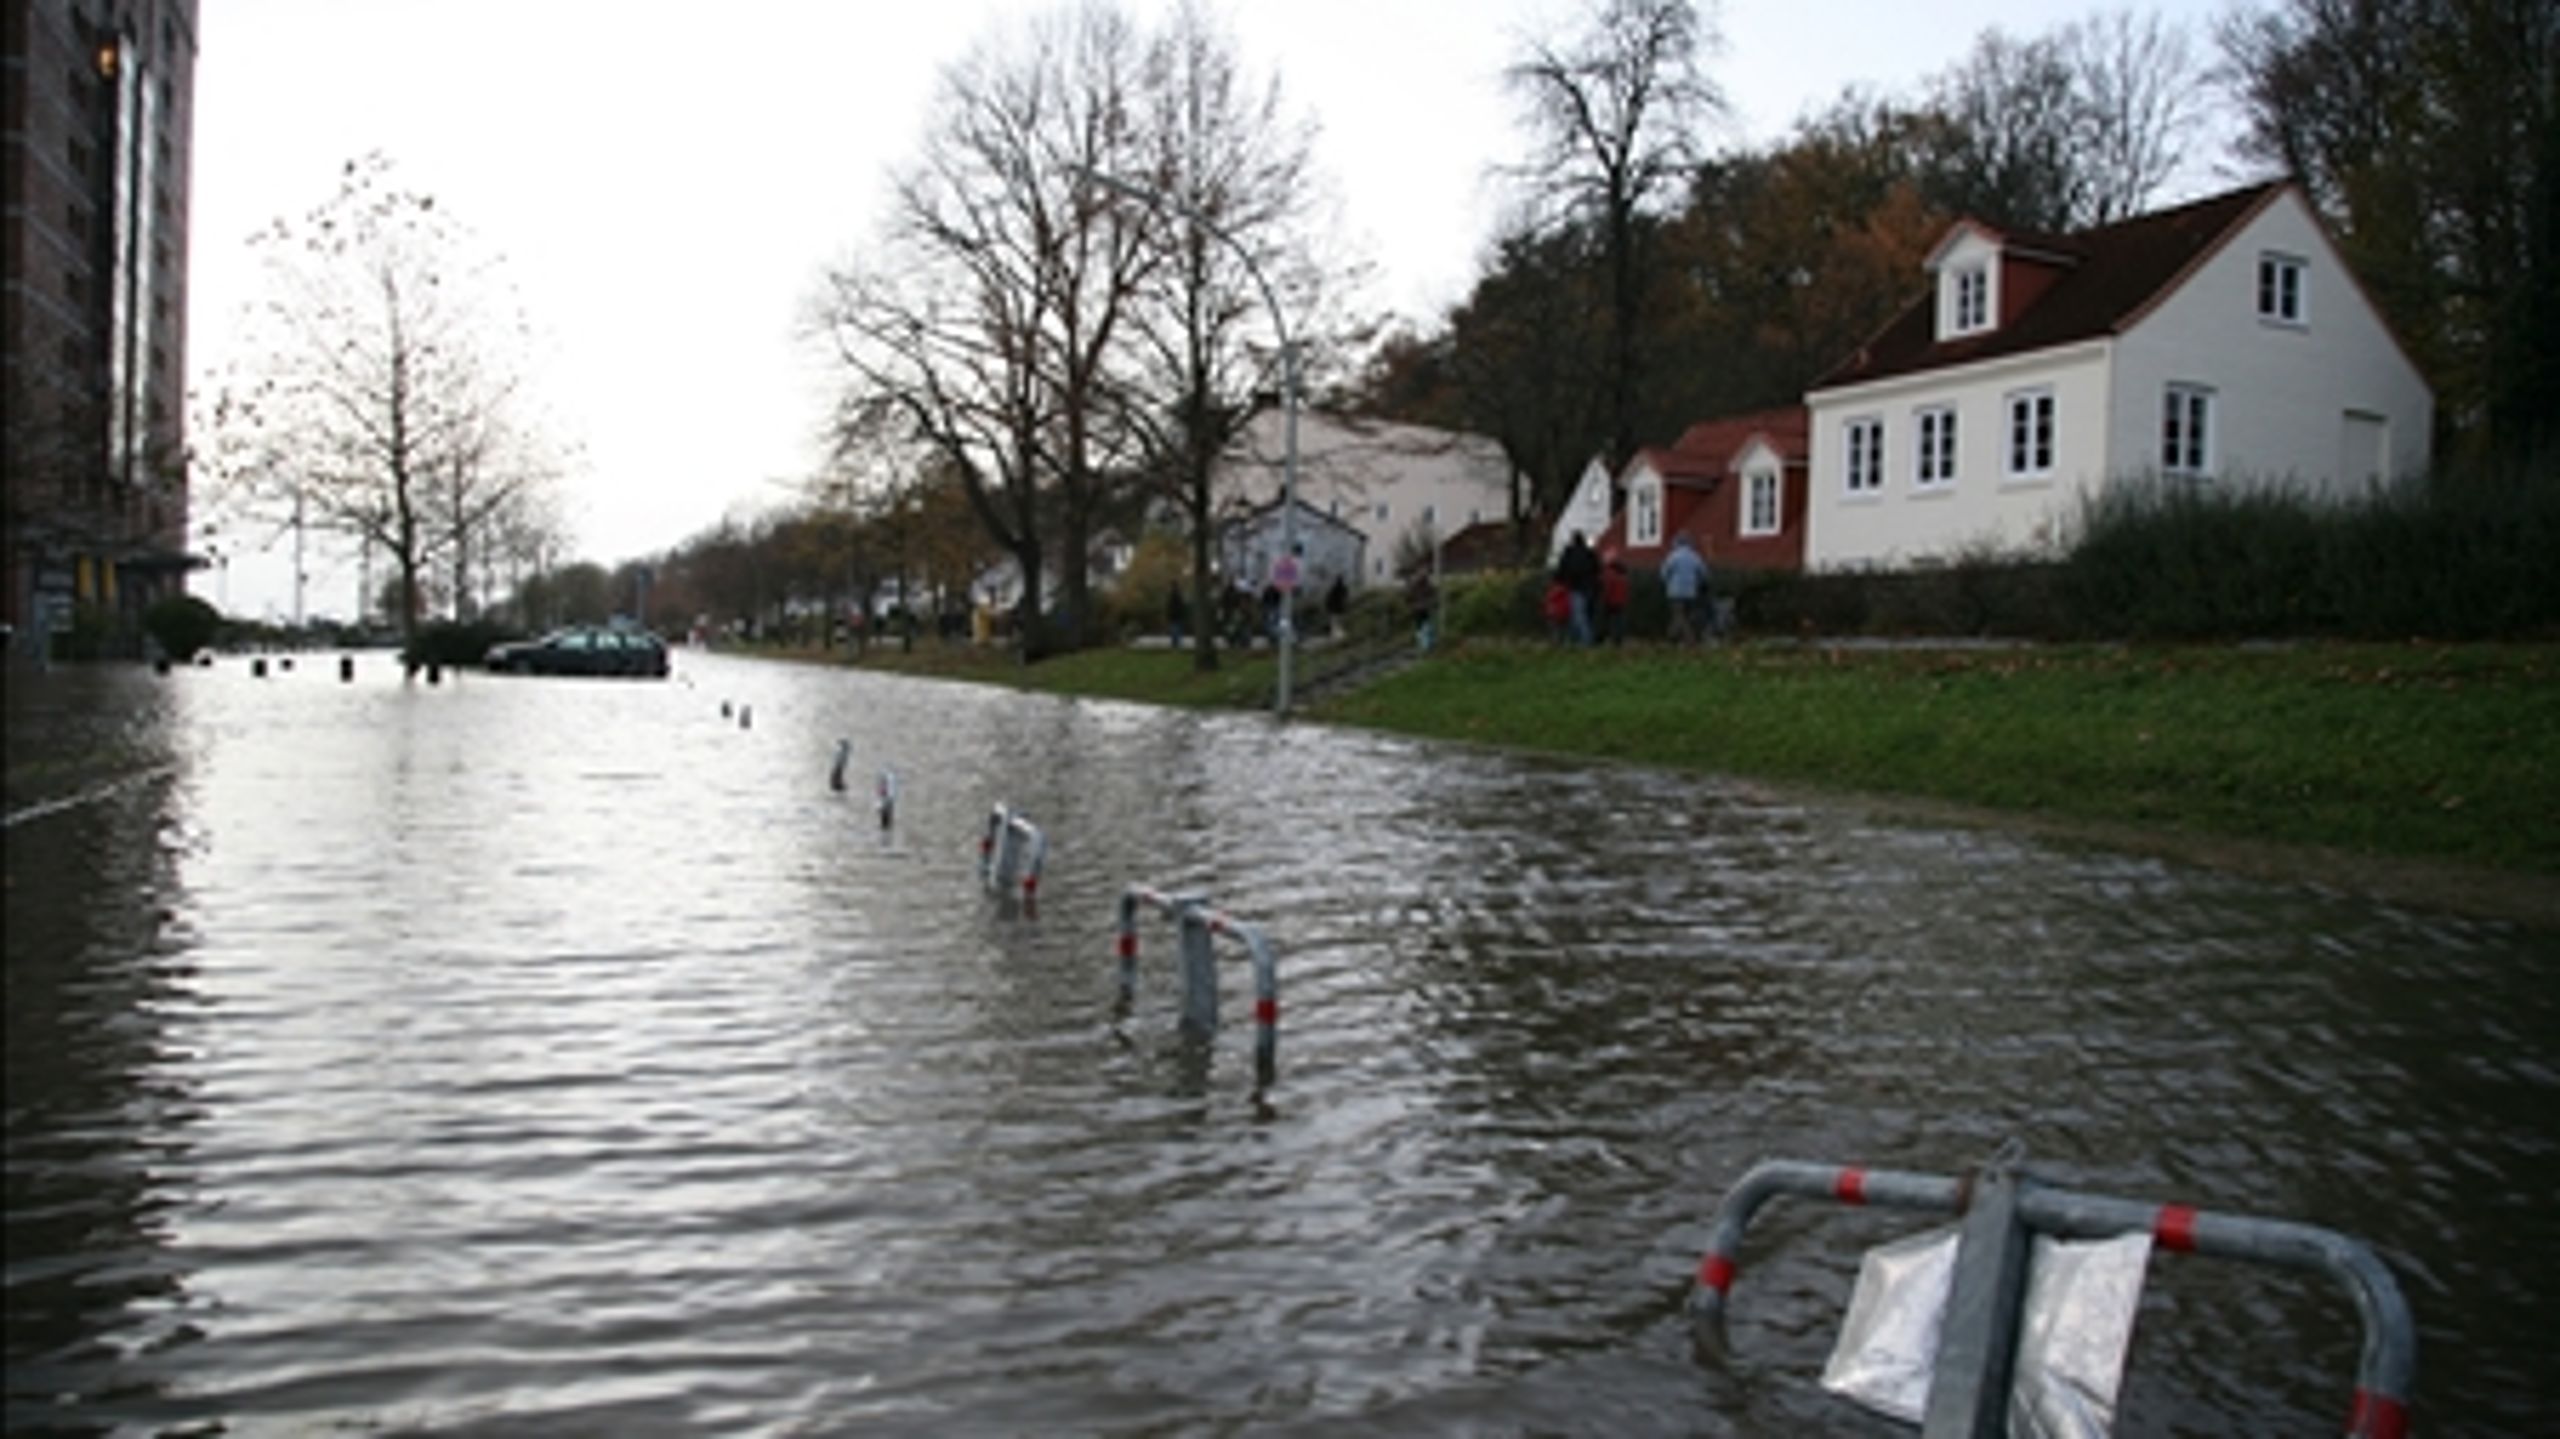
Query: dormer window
1970,268
1972,299
1760,498
2280,288
1644,507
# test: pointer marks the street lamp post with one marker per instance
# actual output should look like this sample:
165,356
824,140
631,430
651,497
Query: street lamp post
1151,196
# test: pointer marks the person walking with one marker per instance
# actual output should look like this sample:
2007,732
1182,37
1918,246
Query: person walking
1177,614
1337,604
1617,588
1557,605
1579,568
1421,601
1685,586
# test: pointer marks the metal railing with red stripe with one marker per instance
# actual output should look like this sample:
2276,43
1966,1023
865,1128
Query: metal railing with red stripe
1010,853
1200,927
2001,1208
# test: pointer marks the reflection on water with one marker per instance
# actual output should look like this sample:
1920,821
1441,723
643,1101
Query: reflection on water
543,1056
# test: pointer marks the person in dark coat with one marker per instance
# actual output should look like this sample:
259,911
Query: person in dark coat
1579,568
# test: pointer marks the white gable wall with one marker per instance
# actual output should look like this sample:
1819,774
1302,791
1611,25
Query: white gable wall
1904,521
1587,511
2287,398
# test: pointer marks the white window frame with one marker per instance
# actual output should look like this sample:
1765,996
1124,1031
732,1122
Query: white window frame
1644,513
1862,441
2284,284
2032,433
1759,483
1933,445
1969,307
2186,428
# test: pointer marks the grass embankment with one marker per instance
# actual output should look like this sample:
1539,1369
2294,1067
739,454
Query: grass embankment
1154,676
2439,752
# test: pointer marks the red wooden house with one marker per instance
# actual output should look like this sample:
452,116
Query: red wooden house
1735,486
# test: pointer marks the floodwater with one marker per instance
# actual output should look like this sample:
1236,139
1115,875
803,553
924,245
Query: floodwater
544,1056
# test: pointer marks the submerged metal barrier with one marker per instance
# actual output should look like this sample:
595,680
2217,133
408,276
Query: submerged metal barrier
2002,1208
1200,928
1011,853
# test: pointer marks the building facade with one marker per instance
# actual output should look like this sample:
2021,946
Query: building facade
1735,486
94,133
1399,486
2223,342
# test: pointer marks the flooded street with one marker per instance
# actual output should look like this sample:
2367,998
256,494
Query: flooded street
547,1056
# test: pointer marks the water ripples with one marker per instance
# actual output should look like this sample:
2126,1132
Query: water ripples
525,1056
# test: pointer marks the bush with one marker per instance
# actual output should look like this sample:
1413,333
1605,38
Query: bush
2455,555
455,644
1497,602
182,624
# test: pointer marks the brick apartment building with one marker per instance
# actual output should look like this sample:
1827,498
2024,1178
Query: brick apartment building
94,127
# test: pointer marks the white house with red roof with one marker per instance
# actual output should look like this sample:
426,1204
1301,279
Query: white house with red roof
2220,342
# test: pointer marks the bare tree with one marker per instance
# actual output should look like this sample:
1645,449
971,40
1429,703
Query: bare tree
981,332
2139,104
493,475
1232,172
374,407
1614,112
2077,127
2006,142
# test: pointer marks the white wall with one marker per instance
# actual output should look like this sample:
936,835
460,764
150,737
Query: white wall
2282,393
1902,522
1352,471
1587,511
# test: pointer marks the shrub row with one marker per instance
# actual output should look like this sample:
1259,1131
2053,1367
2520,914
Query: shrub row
2454,557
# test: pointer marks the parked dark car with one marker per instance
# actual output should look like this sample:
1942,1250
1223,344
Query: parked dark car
584,650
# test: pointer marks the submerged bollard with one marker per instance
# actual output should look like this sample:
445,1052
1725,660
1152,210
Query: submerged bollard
724,709
285,664
435,673
1001,854
346,669
746,716
887,791
1199,927
258,668
844,756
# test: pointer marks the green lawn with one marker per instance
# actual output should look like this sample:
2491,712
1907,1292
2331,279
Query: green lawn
2445,752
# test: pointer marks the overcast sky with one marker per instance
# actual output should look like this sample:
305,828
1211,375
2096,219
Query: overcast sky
666,182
